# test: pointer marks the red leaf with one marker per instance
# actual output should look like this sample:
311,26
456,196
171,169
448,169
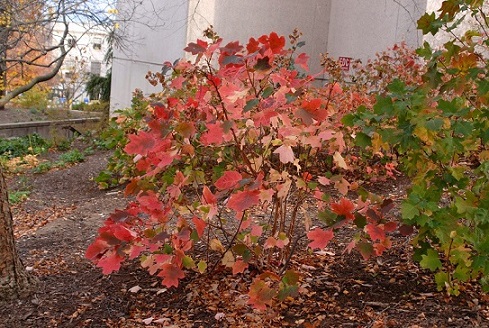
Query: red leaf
228,180
406,230
302,60
140,144
375,232
239,266
260,294
320,238
232,48
390,226
312,105
344,207
381,247
170,274
276,43
122,233
196,48
213,135
256,230
110,262
252,46
99,246
243,200
311,109
199,225
209,197
150,201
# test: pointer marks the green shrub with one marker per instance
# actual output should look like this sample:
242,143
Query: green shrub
21,146
43,167
71,157
18,196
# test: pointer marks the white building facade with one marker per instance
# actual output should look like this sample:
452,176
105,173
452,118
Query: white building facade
355,29
85,58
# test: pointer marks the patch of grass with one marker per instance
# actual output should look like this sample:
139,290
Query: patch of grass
43,167
16,197
71,157
63,145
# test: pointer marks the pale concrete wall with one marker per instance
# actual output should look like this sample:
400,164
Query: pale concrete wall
240,20
361,28
156,34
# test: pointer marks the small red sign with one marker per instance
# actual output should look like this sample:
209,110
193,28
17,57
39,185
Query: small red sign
345,63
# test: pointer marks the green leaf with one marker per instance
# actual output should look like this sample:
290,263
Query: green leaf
348,119
463,127
397,87
409,211
429,24
483,87
188,262
202,266
327,217
383,106
287,290
433,76
431,260
442,279
267,92
290,278
363,140
250,104
263,64
365,249
360,220
426,52
434,124
463,206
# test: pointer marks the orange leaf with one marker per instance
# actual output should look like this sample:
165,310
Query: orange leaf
375,232
320,238
141,143
199,225
170,274
228,180
243,200
344,207
260,294
239,266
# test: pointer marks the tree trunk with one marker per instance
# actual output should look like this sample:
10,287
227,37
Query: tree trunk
14,279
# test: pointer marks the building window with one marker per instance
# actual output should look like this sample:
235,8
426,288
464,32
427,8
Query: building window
96,68
97,44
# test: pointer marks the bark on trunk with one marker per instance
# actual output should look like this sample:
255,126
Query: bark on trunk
14,279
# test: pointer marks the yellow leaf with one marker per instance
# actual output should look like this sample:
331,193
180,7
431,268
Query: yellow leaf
377,143
215,245
340,161
484,155
423,134
228,259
